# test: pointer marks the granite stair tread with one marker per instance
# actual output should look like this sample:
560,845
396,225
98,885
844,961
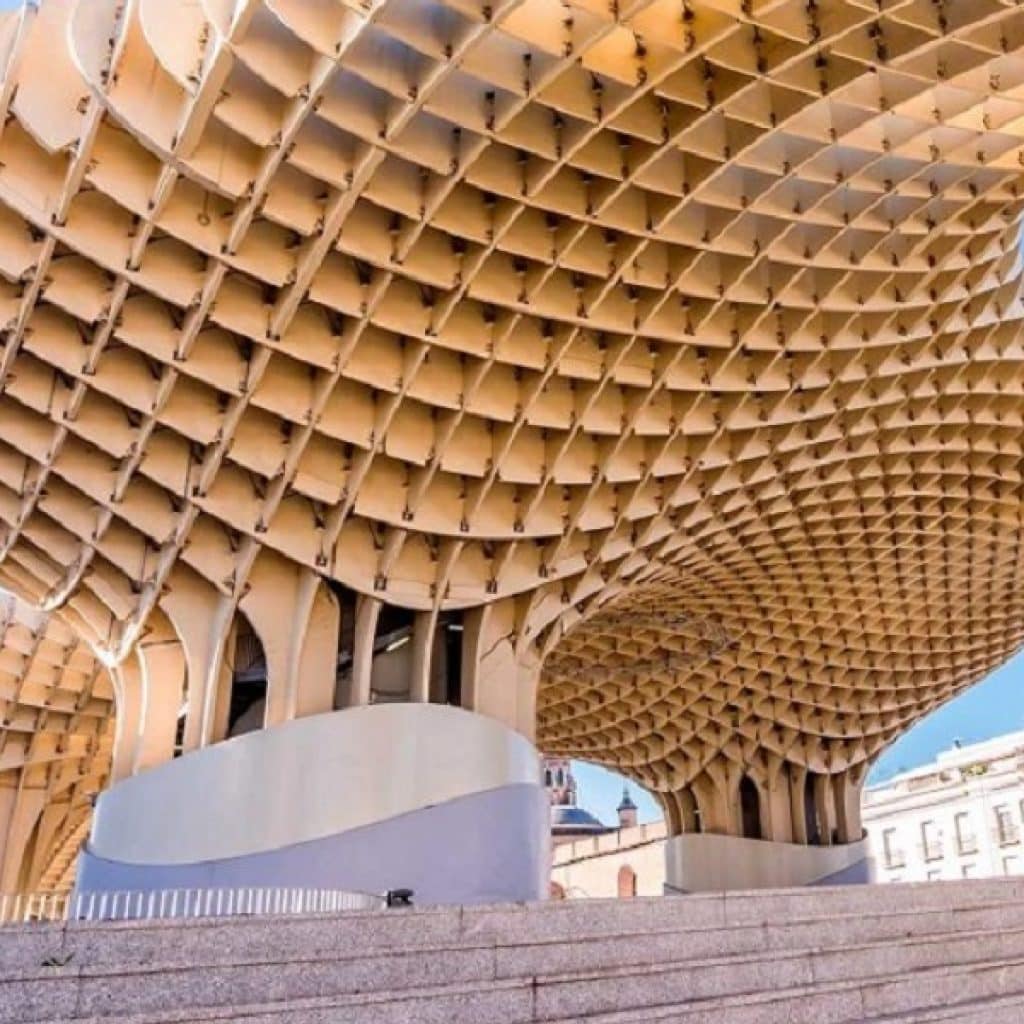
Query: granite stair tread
1003,1010
846,1002
838,1003
489,956
880,997
921,954
211,942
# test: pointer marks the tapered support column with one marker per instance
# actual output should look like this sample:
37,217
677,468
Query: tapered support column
297,620
779,819
367,614
498,680
202,618
127,679
847,788
163,685
20,808
824,808
424,627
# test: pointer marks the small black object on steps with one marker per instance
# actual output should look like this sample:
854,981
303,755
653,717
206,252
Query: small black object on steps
399,897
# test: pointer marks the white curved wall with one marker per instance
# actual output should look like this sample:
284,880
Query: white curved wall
307,779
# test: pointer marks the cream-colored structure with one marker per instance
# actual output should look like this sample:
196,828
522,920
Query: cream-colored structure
960,816
57,702
649,372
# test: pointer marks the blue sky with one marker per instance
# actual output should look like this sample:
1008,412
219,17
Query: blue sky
994,706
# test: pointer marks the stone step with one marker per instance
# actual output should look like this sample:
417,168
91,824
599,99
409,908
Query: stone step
928,997
583,993
565,936
274,941
609,991
510,1002
984,993
822,933
897,953
1006,1010
572,919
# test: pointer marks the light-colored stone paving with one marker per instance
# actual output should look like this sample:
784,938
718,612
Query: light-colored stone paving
940,952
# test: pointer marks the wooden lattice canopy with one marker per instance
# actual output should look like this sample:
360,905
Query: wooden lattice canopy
688,330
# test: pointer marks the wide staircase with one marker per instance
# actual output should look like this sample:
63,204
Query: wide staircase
949,951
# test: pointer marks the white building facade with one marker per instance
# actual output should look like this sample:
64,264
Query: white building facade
960,816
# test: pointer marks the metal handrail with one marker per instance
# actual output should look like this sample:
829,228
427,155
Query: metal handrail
160,904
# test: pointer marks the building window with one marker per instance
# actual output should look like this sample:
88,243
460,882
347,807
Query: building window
931,841
934,875
627,882
969,871
966,840
890,846
1011,865
1007,833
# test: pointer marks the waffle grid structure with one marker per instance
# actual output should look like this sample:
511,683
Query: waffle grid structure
681,335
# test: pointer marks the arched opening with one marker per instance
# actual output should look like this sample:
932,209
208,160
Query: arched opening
248,702
392,656
394,653
681,812
811,810
556,891
588,800
670,809
750,809
626,882
451,631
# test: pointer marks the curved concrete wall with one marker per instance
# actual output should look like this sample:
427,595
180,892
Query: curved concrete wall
710,863
423,796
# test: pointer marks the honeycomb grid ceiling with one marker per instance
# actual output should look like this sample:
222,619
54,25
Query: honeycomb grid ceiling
693,325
